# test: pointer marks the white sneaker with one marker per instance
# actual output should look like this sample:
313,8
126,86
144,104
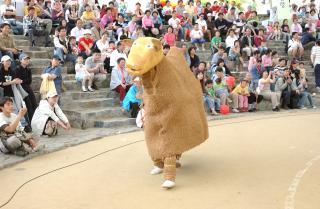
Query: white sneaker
84,89
303,108
318,89
168,184
314,107
90,89
156,170
234,110
39,147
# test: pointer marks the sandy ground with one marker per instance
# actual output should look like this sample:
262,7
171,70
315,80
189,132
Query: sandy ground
247,163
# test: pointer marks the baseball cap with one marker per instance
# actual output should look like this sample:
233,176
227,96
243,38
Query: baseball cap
5,58
87,31
56,57
51,94
23,56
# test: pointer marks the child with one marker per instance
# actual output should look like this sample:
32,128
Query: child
210,98
302,70
215,42
276,32
82,75
242,91
73,46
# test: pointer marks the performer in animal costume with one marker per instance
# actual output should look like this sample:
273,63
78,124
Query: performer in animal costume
175,119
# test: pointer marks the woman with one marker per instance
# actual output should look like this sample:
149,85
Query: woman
167,11
8,80
24,74
147,24
103,46
71,17
194,59
299,85
157,23
138,13
88,16
191,10
133,98
48,116
267,60
230,40
170,38
265,91
57,13
235,55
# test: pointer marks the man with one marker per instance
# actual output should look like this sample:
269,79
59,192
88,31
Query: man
120,79
315,59
231,16
85,44
38,11
307,36
116,54
53,72
33,26
203,25
174,22
95,67
283,87
61,49
7,44
219,55
247,43
241,21
8,14
295,48
78,30
13,138
196,36
221,24
210,25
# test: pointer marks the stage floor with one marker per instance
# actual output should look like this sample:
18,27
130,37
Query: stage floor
254,162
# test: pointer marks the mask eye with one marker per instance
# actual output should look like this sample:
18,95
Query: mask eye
148,46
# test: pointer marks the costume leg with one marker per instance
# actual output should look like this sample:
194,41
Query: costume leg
170,168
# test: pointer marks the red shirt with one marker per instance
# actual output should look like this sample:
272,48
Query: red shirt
247,14
86,41
215,8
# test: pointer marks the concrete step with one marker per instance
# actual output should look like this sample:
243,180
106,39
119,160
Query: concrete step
89,103
38,54
78,94
37,70
21,42
85,118
37,62
113,122
37,48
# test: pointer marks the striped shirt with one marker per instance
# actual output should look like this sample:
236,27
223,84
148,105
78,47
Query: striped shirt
316,52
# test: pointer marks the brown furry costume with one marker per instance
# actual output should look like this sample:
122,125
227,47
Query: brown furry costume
175,117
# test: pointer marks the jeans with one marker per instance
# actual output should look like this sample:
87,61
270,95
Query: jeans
68,57
317,74
17,27
304,96
211,102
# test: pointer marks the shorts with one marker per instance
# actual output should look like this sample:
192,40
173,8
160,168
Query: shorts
198,41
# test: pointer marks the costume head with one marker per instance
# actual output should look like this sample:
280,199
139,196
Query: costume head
145,54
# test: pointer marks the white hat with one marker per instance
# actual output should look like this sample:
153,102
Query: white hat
51,94
137,79
5,58
209,15
87,31
184,12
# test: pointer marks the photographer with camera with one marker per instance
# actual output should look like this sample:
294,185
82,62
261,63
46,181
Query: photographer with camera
35,27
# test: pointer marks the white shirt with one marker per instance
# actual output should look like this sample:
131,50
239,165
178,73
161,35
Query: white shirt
230,41
4,120
81,70
76,32
202,23
196,34
174,22
4,8
102,46
316,52
115,55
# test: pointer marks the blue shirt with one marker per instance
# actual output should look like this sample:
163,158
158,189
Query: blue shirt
131,97
58,80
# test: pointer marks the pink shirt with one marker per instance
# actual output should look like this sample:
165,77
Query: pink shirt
266,61
147,22
170,38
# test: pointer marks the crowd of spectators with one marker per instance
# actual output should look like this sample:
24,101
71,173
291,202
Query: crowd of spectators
96,40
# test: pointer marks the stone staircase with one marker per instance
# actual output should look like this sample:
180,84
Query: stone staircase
84,109
101,109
